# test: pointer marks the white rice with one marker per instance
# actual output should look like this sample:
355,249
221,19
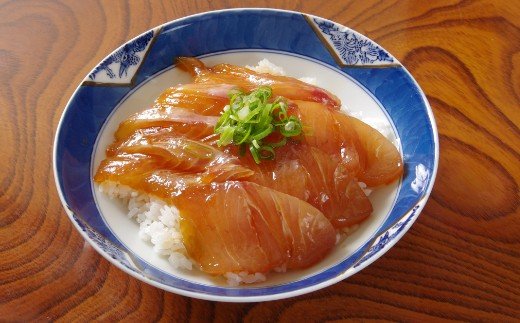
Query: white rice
243,277
265,66
158,222
365,188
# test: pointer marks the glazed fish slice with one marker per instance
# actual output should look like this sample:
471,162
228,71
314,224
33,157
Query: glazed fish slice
382,161
143,154
331,132
247,227
364,151
204,99
248,80
317,178
180,121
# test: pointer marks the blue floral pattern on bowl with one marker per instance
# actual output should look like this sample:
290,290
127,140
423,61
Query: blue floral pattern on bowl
350,47
124,61
391,234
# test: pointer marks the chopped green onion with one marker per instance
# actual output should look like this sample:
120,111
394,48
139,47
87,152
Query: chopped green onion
249,118
254,153
267,152
264,133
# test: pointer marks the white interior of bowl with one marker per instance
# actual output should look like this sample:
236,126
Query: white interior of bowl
356,101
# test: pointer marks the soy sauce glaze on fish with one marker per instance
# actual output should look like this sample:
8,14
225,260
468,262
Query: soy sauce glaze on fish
242,212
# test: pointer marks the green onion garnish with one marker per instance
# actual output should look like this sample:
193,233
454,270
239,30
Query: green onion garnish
249,118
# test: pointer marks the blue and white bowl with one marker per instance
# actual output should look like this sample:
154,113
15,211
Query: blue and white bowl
371,83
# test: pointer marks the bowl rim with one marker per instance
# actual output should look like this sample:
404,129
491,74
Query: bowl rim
267,297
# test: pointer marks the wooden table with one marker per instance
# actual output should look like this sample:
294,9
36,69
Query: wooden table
460,260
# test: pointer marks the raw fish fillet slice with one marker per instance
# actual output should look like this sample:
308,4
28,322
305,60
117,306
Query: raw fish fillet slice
334,190
144,174
331,132
364,151
128,165
127,169
181,154
317,178
382,161
248,80
242,226
181,121
204,99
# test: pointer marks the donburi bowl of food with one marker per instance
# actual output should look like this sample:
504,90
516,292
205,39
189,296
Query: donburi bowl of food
246,164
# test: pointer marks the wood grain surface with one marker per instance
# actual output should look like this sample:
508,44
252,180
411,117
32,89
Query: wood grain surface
459,261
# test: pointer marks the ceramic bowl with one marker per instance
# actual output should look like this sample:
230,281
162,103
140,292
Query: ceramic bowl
371,83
